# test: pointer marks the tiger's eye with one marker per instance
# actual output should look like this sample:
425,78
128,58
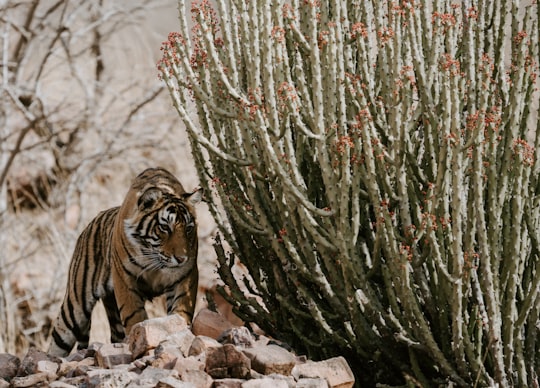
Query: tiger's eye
163,228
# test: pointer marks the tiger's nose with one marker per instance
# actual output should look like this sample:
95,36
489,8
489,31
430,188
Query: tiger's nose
179,259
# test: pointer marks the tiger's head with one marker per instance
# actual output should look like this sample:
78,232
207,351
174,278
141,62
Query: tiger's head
158,220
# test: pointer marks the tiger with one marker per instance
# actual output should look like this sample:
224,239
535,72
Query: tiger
129,254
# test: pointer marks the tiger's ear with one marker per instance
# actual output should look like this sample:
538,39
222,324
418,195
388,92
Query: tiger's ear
149,198
195,197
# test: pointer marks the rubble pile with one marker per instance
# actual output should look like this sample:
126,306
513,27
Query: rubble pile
166,353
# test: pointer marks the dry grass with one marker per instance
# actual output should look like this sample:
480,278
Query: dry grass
37,244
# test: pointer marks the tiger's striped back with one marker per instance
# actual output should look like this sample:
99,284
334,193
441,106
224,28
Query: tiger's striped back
129,254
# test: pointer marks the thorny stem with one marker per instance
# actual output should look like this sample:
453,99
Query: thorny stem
385,151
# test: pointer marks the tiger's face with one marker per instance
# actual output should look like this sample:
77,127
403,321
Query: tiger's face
162,226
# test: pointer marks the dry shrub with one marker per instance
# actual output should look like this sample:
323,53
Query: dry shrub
81,113
374,167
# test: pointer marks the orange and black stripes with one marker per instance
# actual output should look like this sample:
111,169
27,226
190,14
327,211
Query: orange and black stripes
129,254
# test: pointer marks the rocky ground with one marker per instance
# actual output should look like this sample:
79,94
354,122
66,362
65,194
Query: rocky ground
166,353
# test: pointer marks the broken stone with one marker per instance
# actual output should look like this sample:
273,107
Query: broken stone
75,368
30,361
201,343
198,378
253,374
9,365
79,370
110,355
291,382
210,324
166,360
228,383
227,361
311,383
335,370
79,381
151,376
93,349
77,356
110,378
182,365
239,336
181,340
166,354
261,341
171,382
49,367
61,384
271,359
149,334
88,361
32,380
265,382
143,362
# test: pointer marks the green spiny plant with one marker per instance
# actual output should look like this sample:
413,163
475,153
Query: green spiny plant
375,174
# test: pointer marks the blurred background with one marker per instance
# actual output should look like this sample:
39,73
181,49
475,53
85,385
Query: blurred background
82,111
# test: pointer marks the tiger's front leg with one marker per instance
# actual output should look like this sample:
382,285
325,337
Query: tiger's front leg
182,299
130,303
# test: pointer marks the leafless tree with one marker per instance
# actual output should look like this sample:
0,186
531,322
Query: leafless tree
68,103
